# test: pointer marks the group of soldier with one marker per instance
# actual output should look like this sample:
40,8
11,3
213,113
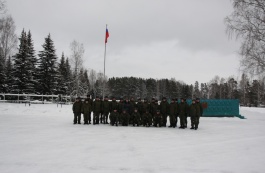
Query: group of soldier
141,113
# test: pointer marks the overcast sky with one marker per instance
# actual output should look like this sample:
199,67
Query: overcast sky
179,39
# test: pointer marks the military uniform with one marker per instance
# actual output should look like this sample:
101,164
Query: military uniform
182,113
193,111
106,110
101,110
96,110
136,119
139,106
145,107
86,110
164,110
127,108
158,120
177,113
124,117
187,110
91,103
154,108
133,105
172,113
199,114
114,117
121,102
147,119
77,109
114,105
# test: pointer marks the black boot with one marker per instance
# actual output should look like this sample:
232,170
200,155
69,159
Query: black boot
192,128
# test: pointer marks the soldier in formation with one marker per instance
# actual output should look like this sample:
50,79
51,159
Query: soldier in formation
138,113
77,109
114,117
86,110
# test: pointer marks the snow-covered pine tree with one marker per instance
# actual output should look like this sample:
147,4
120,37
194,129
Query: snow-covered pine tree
47,68
32,69
68,77
62,78
21,72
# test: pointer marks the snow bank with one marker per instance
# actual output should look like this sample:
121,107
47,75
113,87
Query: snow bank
42,138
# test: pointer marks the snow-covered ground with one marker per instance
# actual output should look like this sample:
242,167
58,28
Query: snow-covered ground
42,139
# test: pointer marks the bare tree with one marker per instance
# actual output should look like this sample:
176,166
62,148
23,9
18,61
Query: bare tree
247,22
76,60
92,78
8,38
77,50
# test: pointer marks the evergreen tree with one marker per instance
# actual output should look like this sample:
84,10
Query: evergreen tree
22,64
62,78
9,76
197,90
68,77
47,68
32,69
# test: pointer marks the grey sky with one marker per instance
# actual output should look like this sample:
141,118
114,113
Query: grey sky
185,40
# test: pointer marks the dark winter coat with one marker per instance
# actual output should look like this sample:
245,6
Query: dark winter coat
145,107
172,109
114,105
182,108
126,107
193,110
164,107
77,106
200,108
97,106
106,106
86,107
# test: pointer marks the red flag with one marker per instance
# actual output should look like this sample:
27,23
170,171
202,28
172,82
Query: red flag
107,35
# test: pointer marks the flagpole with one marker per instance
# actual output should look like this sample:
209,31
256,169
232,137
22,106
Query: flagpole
104,67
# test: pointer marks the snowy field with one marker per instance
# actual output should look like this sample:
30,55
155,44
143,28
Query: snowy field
42,139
